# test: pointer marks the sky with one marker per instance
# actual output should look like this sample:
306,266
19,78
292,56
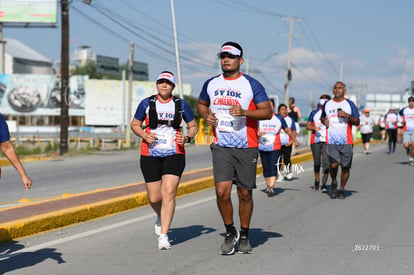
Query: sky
371,40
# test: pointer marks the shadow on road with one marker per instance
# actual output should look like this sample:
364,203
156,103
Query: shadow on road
183,234
11,259
258,237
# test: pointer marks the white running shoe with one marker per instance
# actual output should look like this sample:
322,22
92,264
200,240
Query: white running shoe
279,179
289,176
163,242
157,226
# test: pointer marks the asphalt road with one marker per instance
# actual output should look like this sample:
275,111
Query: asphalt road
299,231
75,174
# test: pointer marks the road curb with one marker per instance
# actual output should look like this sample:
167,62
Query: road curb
61,218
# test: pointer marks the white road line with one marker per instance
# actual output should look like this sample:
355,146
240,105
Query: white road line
95,231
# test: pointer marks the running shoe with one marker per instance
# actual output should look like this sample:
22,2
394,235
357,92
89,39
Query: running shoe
244,245
332,191
227,248
163,242
157,226
279,179
341,194
411,162
316,186
289,176
270,192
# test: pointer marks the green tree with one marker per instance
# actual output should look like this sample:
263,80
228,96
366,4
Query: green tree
192,101
89,69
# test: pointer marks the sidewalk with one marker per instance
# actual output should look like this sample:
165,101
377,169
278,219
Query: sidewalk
33,218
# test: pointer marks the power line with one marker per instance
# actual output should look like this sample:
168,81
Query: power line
126,40
117,22
310,62
322,85
330,63
246,7
117,34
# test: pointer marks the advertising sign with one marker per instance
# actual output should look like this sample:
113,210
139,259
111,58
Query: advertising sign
28,11
39,95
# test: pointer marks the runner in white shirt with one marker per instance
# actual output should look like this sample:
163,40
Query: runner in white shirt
287,143
270,148
318,145
391,121
381,124
339,114
366,127
232,103
407,117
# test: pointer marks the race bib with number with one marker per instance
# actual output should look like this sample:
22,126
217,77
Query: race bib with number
228,123
164,141
338,122
267,139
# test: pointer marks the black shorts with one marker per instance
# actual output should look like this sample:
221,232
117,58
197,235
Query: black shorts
366,137
153,168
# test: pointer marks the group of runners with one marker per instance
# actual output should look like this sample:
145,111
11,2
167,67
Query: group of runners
245,126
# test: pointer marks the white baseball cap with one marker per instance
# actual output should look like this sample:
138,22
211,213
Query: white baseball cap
168,76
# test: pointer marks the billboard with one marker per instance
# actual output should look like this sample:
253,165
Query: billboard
39,95
105,102
28,11
101,102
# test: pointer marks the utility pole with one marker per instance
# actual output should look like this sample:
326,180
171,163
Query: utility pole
177,53
1,50
130,74
289,60
64,72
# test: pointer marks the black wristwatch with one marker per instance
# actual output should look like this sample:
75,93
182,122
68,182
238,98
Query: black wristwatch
189,139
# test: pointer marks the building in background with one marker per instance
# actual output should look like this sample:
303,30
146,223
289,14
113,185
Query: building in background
21,59
30,88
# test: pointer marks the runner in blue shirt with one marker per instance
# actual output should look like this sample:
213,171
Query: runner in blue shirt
8,150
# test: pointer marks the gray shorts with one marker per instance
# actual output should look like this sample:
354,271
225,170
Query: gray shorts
408,136
235,164
341,154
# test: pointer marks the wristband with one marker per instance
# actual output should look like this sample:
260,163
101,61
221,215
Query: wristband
189,139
